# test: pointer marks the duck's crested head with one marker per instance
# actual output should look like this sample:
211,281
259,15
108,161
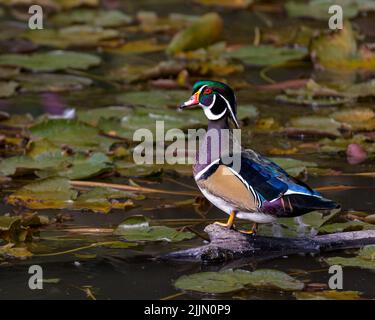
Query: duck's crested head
216,98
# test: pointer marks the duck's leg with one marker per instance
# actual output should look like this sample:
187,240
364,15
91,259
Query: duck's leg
253,230
230,221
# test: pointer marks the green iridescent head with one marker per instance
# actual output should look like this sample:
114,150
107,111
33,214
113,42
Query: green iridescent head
216,98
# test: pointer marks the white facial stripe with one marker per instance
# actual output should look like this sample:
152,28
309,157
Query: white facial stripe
231,111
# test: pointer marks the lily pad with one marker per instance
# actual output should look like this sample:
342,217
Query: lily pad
101,18
339,51
230,281
53,193
25,164
74,133
73,36
78,166
346,226
46,82
265,55
7,88
357,118
138,47
293,166
202,33
100,200
233,4
314,94
10,251
365,259
318,9
137,228
50,61
316,124
328,295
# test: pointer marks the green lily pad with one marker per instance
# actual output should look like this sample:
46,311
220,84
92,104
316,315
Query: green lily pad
265,55
316,124
101,18
230,281
314,94
328,295
365,259
346,226
79,167
25,164
201,33
71,132
51,61
318,9
47,82
54,193
155,98
238,4
73,36
137,228
100,200
293,166
361,90
8,88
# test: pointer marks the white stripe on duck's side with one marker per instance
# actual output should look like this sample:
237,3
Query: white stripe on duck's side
205,169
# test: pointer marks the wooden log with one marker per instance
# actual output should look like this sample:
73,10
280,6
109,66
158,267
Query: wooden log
228,244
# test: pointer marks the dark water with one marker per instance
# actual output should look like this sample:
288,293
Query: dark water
134,273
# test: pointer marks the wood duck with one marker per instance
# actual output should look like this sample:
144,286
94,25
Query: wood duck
258,190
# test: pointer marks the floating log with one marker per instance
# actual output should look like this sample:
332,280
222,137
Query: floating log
228,244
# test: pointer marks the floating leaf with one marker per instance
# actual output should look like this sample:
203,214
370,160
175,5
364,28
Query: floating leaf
339,51
138,47
230,281
356,118
328,295
54,193
53,4
345,226
46,82
318,9
316,124
151,22
236,4
50,61
265,55
99,200
78,166
7,88
314,94
26,164
74,36
137,228
365,259
293,166
200,34
100,18
10,251
70,132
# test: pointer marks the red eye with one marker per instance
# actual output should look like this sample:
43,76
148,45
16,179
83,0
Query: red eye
207,91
